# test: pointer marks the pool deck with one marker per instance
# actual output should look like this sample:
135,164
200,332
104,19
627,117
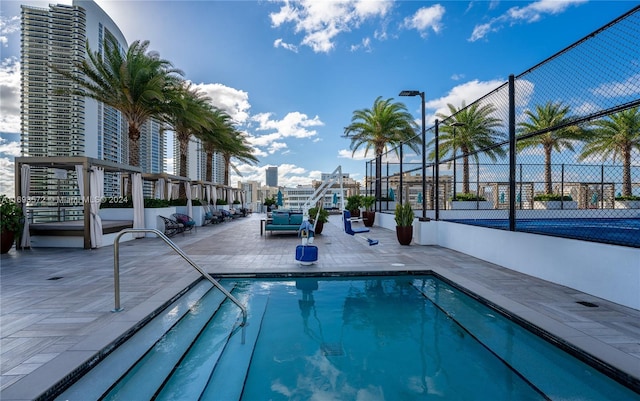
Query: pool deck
55,304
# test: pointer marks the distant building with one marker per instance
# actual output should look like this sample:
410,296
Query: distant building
272,176
65,125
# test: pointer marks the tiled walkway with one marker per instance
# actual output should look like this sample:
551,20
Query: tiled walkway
56,303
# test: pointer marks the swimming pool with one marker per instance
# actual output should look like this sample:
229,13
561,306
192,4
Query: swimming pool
368,338
617,231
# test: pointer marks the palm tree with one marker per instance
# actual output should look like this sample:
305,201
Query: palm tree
553,119
237,147
471,129
215,137
617,137
134,82
188,113
387,123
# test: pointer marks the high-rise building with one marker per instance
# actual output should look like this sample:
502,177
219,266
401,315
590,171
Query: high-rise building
197,162
55,124
272,176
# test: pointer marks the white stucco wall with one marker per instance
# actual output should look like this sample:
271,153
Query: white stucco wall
605,271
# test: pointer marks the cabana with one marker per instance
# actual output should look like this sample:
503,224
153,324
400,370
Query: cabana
86,225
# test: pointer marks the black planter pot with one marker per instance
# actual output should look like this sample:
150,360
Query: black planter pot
368,218
404,234
6,241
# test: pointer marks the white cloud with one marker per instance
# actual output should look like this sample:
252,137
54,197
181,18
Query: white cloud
10,149
364,45
281,43
631,86
533,12
467,92
320,22
425,19
233,101
8,26
289,175
10,95
7,183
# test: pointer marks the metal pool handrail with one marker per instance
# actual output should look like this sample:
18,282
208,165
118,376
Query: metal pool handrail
160,234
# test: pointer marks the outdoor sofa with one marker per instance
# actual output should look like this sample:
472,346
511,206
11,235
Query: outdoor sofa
284,221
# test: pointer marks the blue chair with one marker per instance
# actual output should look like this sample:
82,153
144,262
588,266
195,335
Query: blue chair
346,218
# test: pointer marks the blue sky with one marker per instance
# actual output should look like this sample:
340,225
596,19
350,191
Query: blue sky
292,73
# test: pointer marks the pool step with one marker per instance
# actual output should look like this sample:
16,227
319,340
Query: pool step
227,380
97,381
143,380
188,380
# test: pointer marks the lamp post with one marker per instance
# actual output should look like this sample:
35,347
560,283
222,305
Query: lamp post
455,148
424,156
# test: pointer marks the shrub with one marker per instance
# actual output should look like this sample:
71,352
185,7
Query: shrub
368,202
552,197
468,197
354,202
221,202
404,215
155,203
10,215
628,198
323,216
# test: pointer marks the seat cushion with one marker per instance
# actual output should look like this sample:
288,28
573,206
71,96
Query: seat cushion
280,218
295,219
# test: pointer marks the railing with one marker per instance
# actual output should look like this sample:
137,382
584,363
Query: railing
116,268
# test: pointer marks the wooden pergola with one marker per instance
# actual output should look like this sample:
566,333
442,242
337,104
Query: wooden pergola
69,164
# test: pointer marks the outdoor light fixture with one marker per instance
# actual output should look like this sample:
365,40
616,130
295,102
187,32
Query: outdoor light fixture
410,93
424,156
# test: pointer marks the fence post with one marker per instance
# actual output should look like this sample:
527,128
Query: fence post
601,186
512,154
400,189
562,186
436,175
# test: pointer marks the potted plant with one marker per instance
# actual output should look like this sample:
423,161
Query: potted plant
10,222
404,223
269,203
323,217
353,205
369,215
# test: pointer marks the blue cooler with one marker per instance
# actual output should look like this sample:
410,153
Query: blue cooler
306,254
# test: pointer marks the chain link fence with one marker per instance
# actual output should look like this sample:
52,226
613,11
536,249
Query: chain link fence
554,151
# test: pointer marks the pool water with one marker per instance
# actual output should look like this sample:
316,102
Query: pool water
371,338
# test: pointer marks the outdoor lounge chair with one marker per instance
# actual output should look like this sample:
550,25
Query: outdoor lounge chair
210,215
171,227
346,218
185,220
